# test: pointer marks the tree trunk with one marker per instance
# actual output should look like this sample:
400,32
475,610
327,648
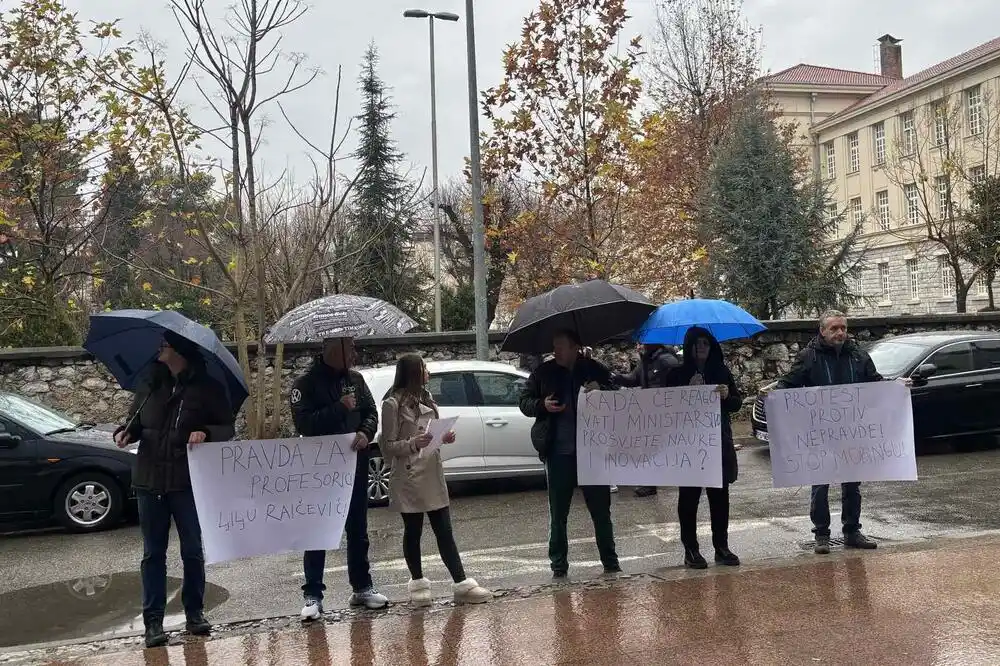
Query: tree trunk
989,292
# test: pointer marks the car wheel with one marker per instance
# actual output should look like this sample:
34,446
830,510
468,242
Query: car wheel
378,479
89,502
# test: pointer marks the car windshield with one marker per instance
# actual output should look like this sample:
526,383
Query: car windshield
892,358
32,415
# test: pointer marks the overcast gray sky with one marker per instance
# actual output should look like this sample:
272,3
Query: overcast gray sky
836,33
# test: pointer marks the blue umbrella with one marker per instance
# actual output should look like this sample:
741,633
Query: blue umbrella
128,341
670,323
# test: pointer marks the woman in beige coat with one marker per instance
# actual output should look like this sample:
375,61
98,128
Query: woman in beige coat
416,483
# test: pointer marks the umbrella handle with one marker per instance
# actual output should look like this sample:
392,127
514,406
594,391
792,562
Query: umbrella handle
131,421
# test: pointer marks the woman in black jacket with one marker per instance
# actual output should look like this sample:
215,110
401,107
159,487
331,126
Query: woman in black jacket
180,406
705,364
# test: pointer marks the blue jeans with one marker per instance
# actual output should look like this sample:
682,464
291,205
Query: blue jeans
850,513
356,531
155,513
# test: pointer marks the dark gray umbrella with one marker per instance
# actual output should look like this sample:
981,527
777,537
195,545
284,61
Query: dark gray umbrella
338,316
596,310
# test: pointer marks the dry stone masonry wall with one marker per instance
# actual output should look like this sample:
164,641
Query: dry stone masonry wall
69,379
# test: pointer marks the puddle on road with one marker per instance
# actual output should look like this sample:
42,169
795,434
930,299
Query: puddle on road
88,607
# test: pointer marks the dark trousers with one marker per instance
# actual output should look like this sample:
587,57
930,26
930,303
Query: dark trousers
850,509
687,514
356,531
413,529
560,473
155,513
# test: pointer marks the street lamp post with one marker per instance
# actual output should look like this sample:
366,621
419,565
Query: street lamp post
435,201
478,224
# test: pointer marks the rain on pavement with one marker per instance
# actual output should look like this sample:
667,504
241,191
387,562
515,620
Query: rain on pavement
86,585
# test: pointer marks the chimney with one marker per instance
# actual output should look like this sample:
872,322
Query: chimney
890,56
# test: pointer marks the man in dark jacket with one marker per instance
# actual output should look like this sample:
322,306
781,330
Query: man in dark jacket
550,397
333,399
180,406
655,363
834,358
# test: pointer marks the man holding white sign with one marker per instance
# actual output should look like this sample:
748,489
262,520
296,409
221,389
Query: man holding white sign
833,359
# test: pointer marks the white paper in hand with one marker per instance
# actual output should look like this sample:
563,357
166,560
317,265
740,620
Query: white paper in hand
437,429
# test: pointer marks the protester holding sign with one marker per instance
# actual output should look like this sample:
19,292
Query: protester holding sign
550,397
417,485
833,358
180,406
704,364
333,399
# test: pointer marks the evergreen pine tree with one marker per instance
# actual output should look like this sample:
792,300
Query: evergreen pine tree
384,205
768,225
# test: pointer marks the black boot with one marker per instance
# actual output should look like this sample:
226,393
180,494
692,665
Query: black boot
726,557
197,625
693,559
645,491
155,637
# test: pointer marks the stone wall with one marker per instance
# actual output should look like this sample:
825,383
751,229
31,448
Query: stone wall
70,380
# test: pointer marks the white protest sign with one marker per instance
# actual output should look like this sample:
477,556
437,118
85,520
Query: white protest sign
437,429
272,496
650,437
841,434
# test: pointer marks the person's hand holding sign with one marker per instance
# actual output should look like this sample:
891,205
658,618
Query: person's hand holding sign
423,440
723,391
591,386
197,437
448,437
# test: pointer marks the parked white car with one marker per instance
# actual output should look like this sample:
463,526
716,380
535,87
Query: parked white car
492,436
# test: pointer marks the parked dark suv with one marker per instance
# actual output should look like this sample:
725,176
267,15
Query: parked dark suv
956,382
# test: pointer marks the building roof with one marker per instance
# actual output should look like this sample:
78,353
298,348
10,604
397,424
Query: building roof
896,86
803,74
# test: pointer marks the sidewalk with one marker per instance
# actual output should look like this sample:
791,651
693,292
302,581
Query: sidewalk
937,605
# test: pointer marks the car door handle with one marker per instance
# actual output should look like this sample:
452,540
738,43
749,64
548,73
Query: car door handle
973,385
496,423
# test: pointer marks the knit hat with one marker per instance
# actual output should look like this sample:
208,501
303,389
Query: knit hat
189,350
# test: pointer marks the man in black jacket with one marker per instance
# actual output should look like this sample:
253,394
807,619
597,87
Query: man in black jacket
655,363
833,358
333,399
180,406
550,397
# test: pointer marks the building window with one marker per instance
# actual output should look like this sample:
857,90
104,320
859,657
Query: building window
943,196
940,111
981,286
947,277
831,217
912,196
977,174
854,152
859,284
974,109
882,209
883,282
878,140
857,212
829,160
913,276
909,133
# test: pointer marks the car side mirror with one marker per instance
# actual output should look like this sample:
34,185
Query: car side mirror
923,373
8,441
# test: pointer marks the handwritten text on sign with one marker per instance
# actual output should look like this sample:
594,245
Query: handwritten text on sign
650,437
841,434
272,496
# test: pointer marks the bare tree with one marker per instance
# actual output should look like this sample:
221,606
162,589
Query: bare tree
942,149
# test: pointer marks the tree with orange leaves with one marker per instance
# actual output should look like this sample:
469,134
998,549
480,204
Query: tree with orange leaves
562,119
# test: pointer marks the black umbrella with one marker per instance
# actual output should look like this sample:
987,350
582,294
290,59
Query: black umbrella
596,310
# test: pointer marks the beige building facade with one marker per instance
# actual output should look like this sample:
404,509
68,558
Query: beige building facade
900,154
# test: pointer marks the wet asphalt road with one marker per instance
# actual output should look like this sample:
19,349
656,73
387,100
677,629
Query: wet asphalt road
86,585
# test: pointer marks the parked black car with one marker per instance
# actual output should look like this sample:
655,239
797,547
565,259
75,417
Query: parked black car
956,382
54,469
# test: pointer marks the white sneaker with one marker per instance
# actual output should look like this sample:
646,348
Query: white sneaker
313,610
470,592
371,599
420,592
614,489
